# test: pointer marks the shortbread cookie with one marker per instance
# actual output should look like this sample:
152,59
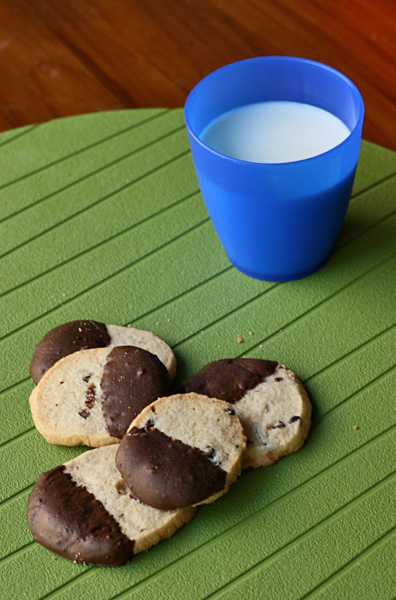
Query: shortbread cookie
82,335
182,450
91,397
270,401
84,511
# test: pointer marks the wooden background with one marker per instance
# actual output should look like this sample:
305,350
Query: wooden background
67,57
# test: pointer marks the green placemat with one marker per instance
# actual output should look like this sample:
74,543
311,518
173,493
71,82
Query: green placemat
101,217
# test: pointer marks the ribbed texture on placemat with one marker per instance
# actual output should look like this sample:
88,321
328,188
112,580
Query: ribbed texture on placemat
101,217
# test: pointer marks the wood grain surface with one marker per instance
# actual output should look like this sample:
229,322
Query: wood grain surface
67,57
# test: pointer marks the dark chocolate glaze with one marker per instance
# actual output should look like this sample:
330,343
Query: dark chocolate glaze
228,379
166,473
132,378
68,520
66,339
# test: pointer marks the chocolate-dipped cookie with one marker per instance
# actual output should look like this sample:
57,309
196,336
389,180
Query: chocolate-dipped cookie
83,510
270,401
182,450
82,335
90,397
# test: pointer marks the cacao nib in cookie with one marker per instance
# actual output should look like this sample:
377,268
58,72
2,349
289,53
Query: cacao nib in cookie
70,521
66,339
294,419
228,379
167,473
132,378
90,397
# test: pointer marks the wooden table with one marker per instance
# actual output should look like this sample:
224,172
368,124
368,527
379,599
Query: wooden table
66,57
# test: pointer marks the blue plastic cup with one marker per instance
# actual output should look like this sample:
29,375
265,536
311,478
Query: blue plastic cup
276,221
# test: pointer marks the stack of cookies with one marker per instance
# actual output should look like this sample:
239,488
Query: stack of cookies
160,450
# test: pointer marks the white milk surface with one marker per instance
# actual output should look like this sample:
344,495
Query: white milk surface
275,132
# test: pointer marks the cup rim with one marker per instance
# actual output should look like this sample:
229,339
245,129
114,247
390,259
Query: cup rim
279,58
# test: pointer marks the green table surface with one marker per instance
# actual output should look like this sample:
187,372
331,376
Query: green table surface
101,218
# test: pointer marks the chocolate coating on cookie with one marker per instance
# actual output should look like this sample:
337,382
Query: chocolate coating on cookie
66,339
166,473
132,379
228,379
70,521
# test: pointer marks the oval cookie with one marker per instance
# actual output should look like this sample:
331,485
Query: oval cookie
270,401
82,335
182,450
91,397
83,510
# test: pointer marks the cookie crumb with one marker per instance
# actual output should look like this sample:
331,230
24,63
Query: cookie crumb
239,339
250,332
356,427
54,557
